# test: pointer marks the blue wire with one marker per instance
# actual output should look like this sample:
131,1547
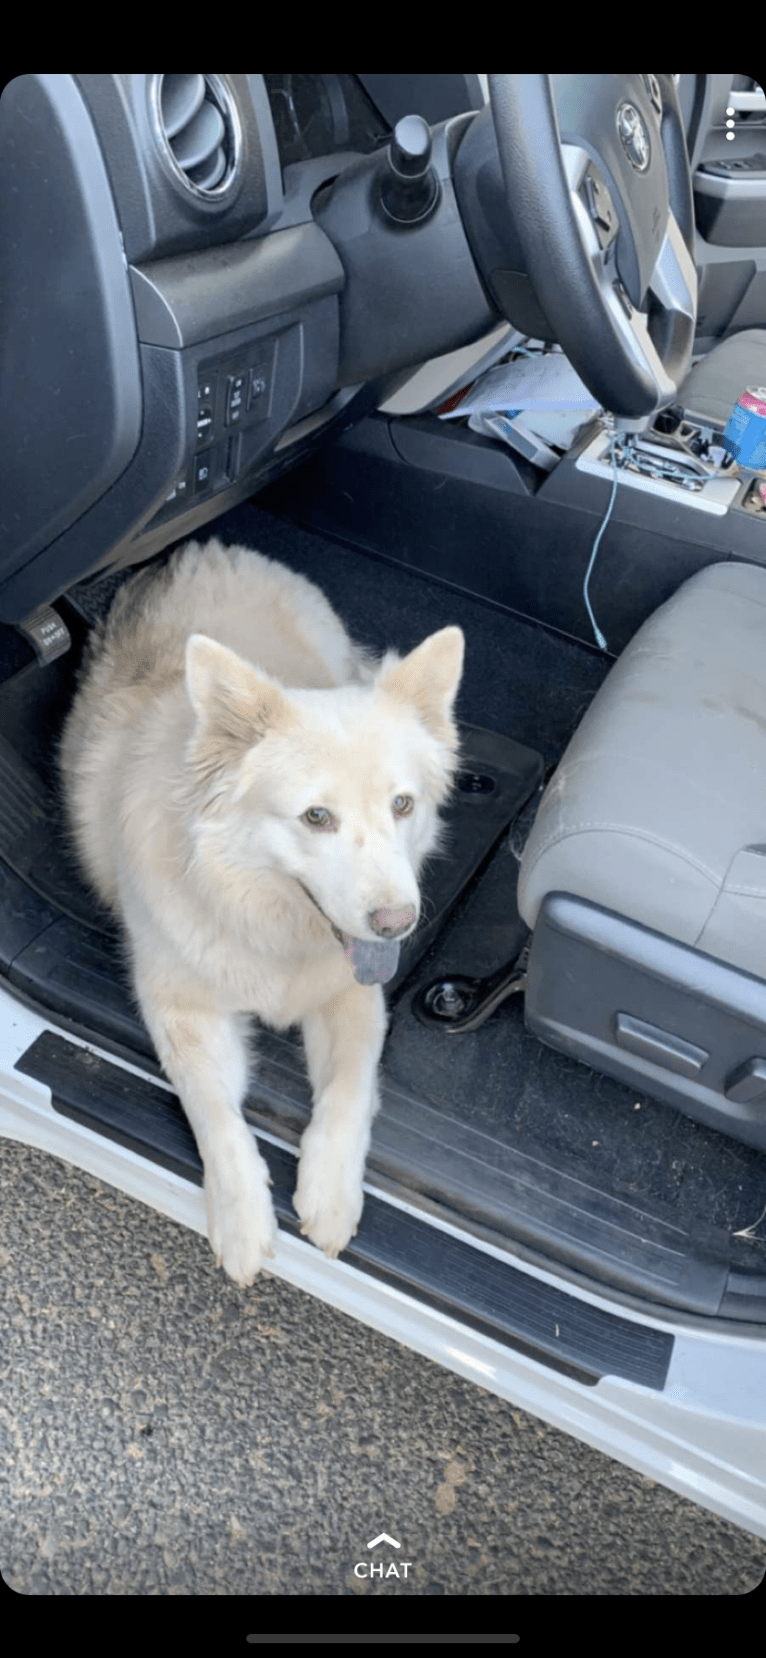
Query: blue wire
600,640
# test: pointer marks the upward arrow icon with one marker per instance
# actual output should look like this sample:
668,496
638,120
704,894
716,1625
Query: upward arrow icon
384,1538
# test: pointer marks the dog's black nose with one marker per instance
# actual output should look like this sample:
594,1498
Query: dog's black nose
390,923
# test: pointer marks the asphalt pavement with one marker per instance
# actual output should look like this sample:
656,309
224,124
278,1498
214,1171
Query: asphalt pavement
164,1433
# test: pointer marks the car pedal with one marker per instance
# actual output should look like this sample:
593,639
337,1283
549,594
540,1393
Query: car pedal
47,634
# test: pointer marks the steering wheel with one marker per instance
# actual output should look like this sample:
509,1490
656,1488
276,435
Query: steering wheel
597,178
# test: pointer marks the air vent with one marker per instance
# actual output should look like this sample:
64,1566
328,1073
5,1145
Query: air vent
199,132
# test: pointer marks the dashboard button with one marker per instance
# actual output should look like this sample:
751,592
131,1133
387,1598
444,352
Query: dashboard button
260,390
204,422
235,398
206,390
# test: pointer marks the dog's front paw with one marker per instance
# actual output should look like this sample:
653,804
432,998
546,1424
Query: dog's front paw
241,1224
328,1197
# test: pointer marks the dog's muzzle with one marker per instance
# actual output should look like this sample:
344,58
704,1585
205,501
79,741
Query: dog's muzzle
371,961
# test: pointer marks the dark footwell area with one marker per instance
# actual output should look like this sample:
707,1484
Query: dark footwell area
490,1124
519,679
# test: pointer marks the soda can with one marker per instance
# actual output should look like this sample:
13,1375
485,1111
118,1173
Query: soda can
745,435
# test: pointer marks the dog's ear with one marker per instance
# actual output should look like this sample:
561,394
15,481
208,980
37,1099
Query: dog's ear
429,678
234,702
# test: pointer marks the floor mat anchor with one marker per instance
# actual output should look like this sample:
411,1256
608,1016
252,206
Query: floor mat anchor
458,1004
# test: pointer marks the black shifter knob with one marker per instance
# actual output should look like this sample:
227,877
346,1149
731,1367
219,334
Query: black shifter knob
409,187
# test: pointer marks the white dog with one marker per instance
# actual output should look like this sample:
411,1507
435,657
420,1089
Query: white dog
254,797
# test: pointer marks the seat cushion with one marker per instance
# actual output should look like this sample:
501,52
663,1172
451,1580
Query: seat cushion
712,388
658,808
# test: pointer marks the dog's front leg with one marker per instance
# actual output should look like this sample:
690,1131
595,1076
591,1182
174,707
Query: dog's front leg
343,1040
204,1055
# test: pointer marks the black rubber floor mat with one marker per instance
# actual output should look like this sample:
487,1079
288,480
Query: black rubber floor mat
529,1104
517,676
496,779
33,841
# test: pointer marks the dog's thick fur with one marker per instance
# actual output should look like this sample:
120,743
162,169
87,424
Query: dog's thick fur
221,701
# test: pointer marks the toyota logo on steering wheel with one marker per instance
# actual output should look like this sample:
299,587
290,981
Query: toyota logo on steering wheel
633,136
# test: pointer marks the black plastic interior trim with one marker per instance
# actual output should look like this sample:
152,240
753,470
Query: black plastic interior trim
71,417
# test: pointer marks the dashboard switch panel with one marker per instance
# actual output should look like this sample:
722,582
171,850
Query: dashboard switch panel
234,394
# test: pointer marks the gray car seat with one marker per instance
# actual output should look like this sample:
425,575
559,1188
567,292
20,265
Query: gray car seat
644,877
712,388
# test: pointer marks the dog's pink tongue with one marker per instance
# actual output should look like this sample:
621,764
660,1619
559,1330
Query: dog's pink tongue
372,963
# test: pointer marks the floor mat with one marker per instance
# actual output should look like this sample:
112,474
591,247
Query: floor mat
529,1099
519,678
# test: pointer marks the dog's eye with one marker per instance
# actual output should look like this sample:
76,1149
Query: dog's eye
403,805
317,817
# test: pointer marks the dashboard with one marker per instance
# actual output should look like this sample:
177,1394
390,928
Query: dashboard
203,276
172,319
322,115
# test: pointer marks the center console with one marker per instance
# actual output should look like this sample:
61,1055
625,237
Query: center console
679,459
486,520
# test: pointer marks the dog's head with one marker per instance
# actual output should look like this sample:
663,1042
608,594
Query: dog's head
338,789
